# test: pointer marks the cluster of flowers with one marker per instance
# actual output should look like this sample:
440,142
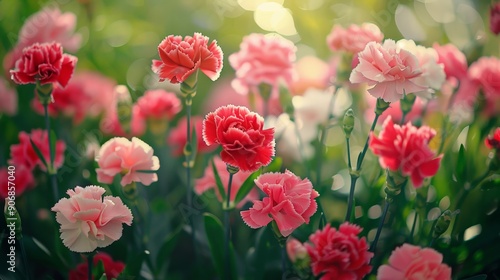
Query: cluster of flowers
396,73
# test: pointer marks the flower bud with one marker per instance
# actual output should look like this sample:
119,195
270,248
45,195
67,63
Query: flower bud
407,103
297,253
382,105
394,183
123,106
348,123
442,224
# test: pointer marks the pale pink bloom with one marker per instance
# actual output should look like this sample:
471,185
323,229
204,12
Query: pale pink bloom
485,73
24,153
8,99
207,182
177,137
159,104
354,38
339,254
405,149
89,220
388,70
127,158
263,60
290,202
433,75
45,26
410,262
22,180
295,250
453,60
312,72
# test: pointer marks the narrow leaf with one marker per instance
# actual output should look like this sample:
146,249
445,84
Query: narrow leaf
478,277
275,165
39,153
461,163
246,187
215,231
167,248
218,181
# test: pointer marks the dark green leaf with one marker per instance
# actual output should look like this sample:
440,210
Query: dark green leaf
98,270
218,181
491,182
53,139
461,163
215,233
133,265
246,187
477,277
167,248
39,154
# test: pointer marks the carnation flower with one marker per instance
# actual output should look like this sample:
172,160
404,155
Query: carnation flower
158,104
24,153
127,158
44,63
111,268
484,73
245,143
263,60
453,60
354,38
405,149
412,262
495,18
339,254
289,202
493,142
89,220
8,99
180,58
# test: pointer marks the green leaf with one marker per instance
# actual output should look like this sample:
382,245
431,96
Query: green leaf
167,248
53,139
39,154
218,181
246,187
275,165
478,277
134,264
490,182
461,164
98,270
215,233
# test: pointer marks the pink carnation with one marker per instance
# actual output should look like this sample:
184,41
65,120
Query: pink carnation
45,26
159,104
245,143
127,158
405,149
484,73
289,202
177,137
339,254
354,38
22,179
453,60
180,58
87,94
295,250
24,154
207,182
45,63
89,220
263,60
410,262
8,99
493,142
388,70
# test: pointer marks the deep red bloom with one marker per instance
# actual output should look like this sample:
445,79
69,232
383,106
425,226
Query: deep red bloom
495,19
245,142
182,57
289,202
45,63
406,149
111,268
24,154
493,142
22,179
339,254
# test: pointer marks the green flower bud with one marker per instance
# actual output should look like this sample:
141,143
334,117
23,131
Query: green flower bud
394,183
348,123
407,103
381,106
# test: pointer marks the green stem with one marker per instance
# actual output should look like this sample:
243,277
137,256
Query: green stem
380,225
365,148
403,118
350,200
348,153
25,260
51,170
227,227
283,262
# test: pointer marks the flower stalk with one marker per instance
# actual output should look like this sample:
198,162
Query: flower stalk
227,227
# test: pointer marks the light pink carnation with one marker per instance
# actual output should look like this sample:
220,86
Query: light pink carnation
354,38
45,26
263,59
127,158
159,104
453,60
8,99
389,70
485,73
410,262
89,220
289,202
207,182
